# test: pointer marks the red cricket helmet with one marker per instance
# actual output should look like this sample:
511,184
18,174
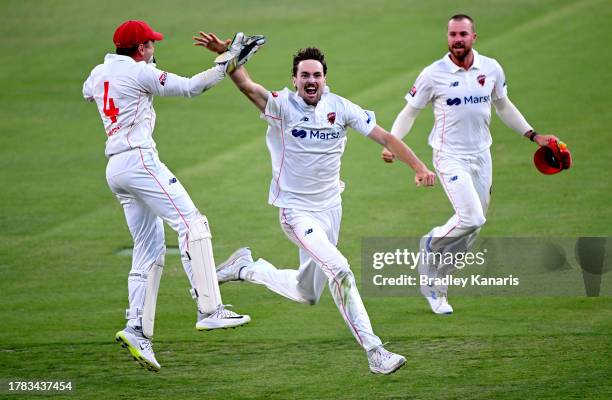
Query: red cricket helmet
551,159
132,33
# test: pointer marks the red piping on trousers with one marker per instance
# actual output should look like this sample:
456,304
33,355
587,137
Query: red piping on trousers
166,193
338,289
442,180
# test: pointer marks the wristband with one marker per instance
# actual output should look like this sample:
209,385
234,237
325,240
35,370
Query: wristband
532,134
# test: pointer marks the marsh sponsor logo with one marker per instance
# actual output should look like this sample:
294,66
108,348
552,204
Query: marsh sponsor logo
477,99
453,102
320,135
468,100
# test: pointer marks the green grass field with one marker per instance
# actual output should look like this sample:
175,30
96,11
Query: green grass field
63,285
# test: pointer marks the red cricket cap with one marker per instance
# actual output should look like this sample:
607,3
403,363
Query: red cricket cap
132,33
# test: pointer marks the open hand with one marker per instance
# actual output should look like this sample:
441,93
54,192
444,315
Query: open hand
211,42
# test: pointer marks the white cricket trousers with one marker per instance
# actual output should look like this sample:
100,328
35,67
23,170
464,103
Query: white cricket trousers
150,195
467,180
316,235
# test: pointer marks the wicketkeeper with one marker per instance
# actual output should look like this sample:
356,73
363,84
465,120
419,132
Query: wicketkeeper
123,88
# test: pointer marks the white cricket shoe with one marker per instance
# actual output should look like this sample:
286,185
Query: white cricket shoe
139,346
222,318
439,303
229,270
382,361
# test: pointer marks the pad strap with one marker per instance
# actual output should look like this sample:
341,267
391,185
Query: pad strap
133,313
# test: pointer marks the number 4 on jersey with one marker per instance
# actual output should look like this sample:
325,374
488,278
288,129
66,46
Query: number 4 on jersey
110,111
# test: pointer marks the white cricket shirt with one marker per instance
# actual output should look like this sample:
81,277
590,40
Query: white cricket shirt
123,90
461,102
306,144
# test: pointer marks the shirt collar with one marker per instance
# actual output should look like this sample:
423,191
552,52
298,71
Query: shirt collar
455,68
117,57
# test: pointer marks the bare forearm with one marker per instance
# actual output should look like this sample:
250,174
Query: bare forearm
254,91
404,153
398,148
241,79
423,176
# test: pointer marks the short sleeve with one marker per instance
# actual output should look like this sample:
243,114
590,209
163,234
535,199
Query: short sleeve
500,90
421,92
275,103
363,121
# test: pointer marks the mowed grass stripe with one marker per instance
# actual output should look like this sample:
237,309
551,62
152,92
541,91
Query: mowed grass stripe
371,93
379,91
496,369
82,220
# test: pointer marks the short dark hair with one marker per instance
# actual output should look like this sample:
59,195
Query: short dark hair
460,17
127,51
309,53
131,51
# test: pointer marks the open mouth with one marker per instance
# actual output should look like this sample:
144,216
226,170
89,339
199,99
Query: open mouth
310,90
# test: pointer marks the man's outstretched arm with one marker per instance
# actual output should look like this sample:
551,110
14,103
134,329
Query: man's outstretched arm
423,176
514,120
253,90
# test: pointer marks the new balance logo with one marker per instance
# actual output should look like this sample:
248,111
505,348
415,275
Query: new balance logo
454,84
453,179
172,180
308,231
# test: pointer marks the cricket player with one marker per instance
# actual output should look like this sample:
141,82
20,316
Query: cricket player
461,87
123,88
307,134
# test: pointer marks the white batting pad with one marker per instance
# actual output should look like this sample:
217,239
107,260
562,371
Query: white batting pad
207,292
148,314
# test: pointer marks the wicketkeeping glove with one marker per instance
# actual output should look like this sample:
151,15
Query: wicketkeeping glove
552,158
240,50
